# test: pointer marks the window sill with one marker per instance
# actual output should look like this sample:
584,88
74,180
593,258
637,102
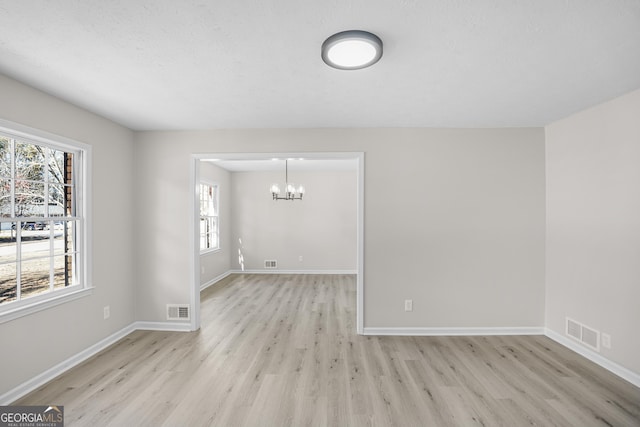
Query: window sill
36,306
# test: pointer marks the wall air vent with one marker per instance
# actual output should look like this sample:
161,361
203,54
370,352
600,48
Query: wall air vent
270,263
591,337
178,312
583,334
574,329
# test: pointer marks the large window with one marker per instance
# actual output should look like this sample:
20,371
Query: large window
209,224
41,220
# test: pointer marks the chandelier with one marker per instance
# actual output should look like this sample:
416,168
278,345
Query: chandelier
291,192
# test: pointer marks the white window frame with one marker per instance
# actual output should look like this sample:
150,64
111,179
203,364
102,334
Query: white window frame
82,181
216,187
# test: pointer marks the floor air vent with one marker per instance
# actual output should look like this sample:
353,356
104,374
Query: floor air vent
178,312
270,263
583,334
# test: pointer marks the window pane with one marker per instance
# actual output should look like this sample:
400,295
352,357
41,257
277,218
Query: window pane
63,239
34,277
35,238
5,157
5,177
58,239
203,199
29,198
71,228
69,207
56,167
8,247
7,283
8,251
63,271
208,200
214,200
58,199
30,162
5,197
204,225
208,232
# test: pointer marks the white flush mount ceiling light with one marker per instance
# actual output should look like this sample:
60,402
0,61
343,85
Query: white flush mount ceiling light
352,50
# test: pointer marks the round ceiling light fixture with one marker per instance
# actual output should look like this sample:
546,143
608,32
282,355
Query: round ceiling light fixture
352,50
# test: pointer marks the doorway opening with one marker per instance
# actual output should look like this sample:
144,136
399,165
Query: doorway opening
273,161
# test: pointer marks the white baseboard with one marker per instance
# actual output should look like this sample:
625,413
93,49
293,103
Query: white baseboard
51,373
163,326
276,271
46,376
454,331
595,357
214,280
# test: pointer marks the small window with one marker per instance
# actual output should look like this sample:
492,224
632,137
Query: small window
41,222
209,217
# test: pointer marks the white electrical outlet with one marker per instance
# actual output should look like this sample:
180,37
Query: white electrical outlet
606,340
107,312
408,305
300,258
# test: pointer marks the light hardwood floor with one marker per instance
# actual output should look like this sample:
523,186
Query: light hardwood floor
281,350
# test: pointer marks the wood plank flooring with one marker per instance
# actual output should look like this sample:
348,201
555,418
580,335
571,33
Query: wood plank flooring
281,350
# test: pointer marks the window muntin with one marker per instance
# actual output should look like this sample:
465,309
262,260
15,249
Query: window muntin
209,217
40,225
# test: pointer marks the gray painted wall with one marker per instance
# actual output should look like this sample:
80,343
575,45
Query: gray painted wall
593,224
454,219
322,228
35,343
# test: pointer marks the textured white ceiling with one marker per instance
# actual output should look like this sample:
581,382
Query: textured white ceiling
197,64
